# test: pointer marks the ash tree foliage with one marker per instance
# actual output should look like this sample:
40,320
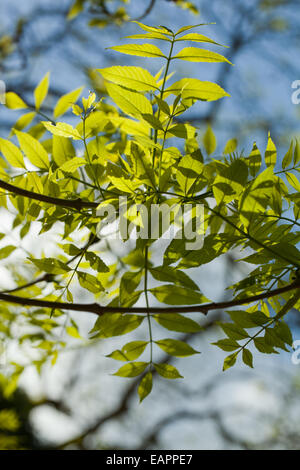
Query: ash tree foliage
61,176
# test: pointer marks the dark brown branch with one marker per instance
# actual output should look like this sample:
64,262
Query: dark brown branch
147,11
100,310
74,204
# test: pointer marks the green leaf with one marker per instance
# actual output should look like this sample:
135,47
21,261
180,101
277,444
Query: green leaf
176,348
297,153
33,150
287,159
196,37
142,50
72,165
187,28
188,171
41,91
149,36
51,265
62,129
136,78
283,332
174,275
13,101
175,295
133,369
154,29
6,251
153,121
62,149
124,185
167,371
209,141
227,344
263,347
229,361
247,357
96,262
145,386
163,106
73,331
24,120
293,181
247,319
193,54
129,102
254,160
271,152
129,352
192,88
89,282
230,146
142,165
177,322
233,331
115,324
75,9
12,154
66,101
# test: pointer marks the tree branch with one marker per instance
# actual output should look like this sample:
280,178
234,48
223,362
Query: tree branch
75,204
100,310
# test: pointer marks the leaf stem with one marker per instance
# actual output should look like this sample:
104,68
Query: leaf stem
148,307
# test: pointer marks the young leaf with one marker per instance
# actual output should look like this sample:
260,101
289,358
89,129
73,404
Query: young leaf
129,102
13,101
33,150
227,344
196,89
174,275
167,371
72,165
89,282
176,348
66,101
62,129
177,322
133,369
271,152
230,146
193,54
297,153
175,295
136,78
229,361
41,91
6,251
51,265
210,141
96,263
247,357
115,324
145,386
187,28
154,29
196,37
287,159
254,160
12,154
142,50
129,352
